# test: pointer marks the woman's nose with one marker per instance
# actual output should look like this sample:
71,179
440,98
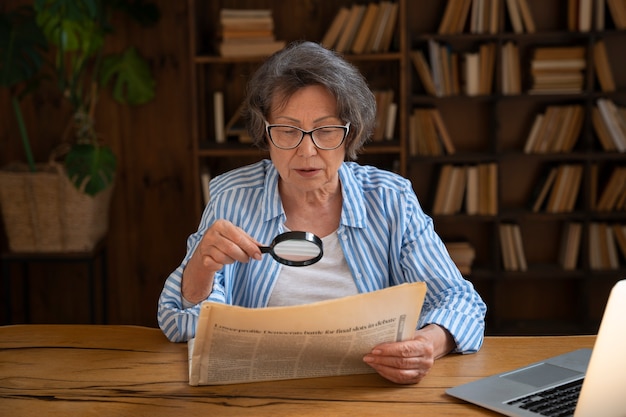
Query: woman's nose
307,147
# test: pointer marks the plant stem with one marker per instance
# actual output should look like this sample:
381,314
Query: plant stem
23,134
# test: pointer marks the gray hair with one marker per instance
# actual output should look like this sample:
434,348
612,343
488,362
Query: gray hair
303,64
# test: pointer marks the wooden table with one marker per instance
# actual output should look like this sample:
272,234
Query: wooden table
96,370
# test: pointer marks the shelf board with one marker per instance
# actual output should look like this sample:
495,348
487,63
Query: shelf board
216,59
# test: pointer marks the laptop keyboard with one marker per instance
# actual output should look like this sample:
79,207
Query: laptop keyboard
553,402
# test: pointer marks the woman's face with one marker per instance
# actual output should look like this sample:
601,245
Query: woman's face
307,168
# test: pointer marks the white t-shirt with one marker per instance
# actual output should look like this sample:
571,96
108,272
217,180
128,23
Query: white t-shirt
327,279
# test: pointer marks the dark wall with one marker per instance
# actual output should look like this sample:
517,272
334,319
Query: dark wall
151,213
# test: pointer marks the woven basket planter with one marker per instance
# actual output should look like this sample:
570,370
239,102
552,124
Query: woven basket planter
43,211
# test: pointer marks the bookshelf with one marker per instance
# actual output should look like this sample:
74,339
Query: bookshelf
557,279
488,110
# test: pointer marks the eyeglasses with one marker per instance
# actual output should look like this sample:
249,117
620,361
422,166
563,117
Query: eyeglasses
290,137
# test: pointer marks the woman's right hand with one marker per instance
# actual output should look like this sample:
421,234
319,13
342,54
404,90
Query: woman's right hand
223,243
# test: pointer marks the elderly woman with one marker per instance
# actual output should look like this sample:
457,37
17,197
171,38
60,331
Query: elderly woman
313,111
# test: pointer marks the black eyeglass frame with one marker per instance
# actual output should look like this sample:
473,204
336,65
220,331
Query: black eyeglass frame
346,131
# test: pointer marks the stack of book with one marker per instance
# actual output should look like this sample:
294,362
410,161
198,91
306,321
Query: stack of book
483,17
513,254
249,32
473,187
604,241
609,123
386,111
428,134
463,254
558,70
451,73
362,29
560,189
520,16
556,130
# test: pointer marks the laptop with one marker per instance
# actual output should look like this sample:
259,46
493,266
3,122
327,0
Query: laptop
593,382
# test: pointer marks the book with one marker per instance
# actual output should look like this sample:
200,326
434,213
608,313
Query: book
462,254
601,131
472,73
445,174
434,52
336,27
617,9
344,43
603,67
599,15
390,126
494,17
205,179
613,191
250,48
507,245
423,71
384,98
526,15
545,189
511,72
585,15
518,244
472,193
442,131
515,16
570,245
388,29
454,17
614,122
487,60
218,116
237,345
619,231
365,29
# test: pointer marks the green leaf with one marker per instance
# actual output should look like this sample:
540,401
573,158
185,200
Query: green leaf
90,166
71,30
21,46
131,76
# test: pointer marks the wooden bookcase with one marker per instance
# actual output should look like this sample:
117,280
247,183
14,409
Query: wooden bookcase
485,128
492,128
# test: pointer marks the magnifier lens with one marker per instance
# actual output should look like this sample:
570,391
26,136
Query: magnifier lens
295,248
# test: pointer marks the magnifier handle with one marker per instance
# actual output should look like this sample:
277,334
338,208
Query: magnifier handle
265,249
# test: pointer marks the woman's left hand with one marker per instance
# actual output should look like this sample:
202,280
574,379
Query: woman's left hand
409,361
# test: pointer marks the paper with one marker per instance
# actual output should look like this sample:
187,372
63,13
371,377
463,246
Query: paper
236,344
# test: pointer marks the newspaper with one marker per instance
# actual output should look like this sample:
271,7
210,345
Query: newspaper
236,344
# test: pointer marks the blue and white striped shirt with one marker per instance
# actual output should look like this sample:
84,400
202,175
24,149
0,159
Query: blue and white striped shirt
386,238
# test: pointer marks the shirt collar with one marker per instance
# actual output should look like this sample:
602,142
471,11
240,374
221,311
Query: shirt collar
353,210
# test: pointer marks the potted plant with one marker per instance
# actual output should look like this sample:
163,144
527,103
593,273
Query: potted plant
63,41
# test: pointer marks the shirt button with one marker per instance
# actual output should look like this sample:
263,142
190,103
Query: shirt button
358,275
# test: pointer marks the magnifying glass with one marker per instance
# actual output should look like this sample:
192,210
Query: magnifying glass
295,248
